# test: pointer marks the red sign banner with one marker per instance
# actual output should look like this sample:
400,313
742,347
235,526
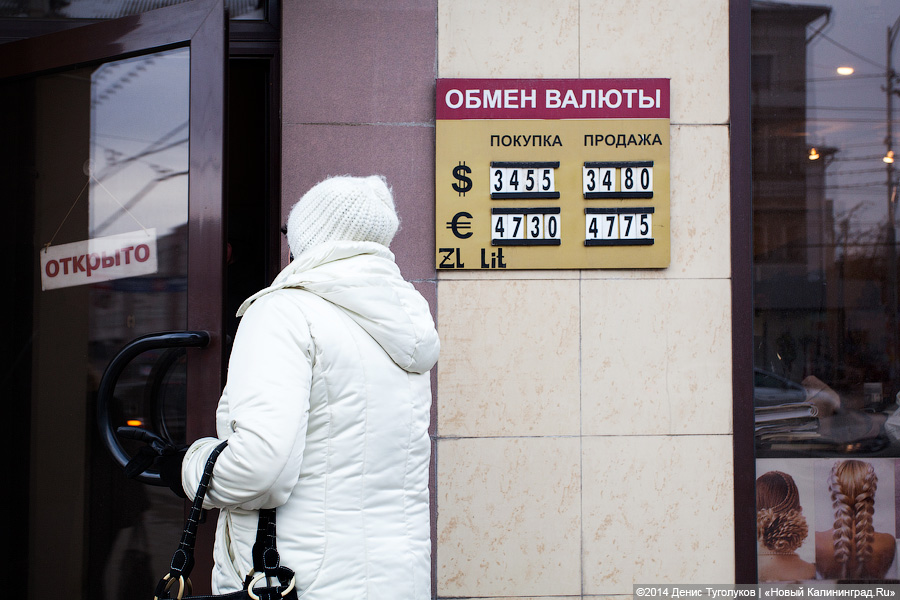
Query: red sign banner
552,99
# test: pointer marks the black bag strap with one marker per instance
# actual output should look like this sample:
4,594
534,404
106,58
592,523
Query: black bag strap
265,552
266,561
183,560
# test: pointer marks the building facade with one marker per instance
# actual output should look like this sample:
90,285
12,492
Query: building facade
578,413
593,428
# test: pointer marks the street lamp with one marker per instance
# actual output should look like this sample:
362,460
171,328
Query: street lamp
890,77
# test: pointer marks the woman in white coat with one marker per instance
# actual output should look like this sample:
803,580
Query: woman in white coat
326,410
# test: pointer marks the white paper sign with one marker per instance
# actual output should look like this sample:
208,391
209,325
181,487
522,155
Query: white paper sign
99,259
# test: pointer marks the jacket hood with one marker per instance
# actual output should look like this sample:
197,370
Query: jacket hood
362,279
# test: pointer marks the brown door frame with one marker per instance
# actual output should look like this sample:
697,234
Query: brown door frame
742,295
200,25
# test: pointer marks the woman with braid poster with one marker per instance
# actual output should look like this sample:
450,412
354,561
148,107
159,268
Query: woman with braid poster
785,549
855,520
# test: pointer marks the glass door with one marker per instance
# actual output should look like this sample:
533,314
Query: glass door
112,157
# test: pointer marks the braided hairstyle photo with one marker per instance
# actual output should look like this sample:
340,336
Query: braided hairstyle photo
853,549
852,484
780,524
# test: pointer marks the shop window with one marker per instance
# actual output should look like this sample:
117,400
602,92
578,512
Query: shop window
824,86
761,71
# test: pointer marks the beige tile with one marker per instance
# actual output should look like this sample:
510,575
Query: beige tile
500,39
506,275
657,509
700,202
685,42
508,517
700,206
509,358
656,357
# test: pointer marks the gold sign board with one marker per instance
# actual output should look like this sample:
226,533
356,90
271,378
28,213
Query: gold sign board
552,174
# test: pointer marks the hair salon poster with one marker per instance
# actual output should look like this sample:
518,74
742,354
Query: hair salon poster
831,519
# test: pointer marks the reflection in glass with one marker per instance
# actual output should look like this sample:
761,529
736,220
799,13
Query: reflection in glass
825,246
138,169
826,337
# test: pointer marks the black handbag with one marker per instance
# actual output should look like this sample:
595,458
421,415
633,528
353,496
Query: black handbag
279,582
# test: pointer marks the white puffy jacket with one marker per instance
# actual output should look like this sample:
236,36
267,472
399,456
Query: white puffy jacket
326,413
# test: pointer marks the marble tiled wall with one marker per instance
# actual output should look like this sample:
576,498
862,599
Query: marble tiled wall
583,419
584,437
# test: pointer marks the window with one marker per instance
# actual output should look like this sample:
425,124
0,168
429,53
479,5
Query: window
826,343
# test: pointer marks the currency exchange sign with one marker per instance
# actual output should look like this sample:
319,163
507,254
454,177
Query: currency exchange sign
552,174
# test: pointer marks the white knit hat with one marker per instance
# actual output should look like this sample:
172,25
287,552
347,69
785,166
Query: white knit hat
359,209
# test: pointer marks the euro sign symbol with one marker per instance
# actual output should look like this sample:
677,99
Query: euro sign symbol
459,173
460,222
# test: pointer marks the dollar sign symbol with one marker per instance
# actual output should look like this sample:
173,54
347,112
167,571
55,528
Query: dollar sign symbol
459,173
